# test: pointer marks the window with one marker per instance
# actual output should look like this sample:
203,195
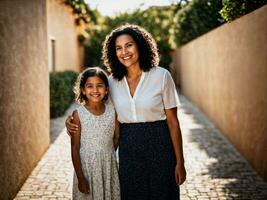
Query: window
52,54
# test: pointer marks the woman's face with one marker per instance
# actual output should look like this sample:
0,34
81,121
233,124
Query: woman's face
126,50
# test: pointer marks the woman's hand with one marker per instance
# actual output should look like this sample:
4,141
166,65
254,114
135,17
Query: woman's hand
180,174
83,186
71,127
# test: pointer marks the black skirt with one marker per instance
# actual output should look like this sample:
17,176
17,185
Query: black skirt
147,162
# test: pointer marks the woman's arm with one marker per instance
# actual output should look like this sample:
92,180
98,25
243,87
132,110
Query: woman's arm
75,155
176,137
116,133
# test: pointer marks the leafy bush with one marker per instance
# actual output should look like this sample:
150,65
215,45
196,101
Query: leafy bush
197,18
61,94
233,9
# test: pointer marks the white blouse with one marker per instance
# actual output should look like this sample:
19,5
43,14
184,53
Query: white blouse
155,92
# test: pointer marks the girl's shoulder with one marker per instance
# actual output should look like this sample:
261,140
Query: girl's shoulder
79,108
81,111
109,105
75,115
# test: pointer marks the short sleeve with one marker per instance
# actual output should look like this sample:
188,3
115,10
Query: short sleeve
169,92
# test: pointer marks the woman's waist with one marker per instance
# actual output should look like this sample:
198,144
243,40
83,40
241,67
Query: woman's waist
140,116
150,124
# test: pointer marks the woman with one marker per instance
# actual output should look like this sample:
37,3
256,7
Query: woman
151,163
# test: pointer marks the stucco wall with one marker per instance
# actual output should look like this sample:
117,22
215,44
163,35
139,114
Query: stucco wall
24,94
61,27
224,72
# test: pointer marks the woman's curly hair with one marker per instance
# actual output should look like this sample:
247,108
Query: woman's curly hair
81,80
147,48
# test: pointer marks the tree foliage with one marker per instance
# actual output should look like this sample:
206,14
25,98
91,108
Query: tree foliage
82,11
197,18
233,9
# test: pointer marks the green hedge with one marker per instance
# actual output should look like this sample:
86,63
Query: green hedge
61,93
233,9
197,18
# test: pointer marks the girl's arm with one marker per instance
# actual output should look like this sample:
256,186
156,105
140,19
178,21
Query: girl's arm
75,155
116,133
176,137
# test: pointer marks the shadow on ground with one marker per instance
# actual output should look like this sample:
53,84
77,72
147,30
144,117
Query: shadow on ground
222,164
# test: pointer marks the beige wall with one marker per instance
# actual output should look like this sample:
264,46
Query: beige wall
224,72
62,28
24,94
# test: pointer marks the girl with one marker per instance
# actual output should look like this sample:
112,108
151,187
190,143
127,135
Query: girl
92,148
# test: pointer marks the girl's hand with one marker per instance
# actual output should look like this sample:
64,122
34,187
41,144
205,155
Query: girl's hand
83,186
180,174
71,127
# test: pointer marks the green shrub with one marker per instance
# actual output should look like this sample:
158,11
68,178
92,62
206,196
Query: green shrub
197,18
233,9
61,94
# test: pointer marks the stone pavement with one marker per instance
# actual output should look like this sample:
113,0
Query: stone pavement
215,170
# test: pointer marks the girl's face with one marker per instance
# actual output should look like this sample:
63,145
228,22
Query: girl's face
126,50
95,89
